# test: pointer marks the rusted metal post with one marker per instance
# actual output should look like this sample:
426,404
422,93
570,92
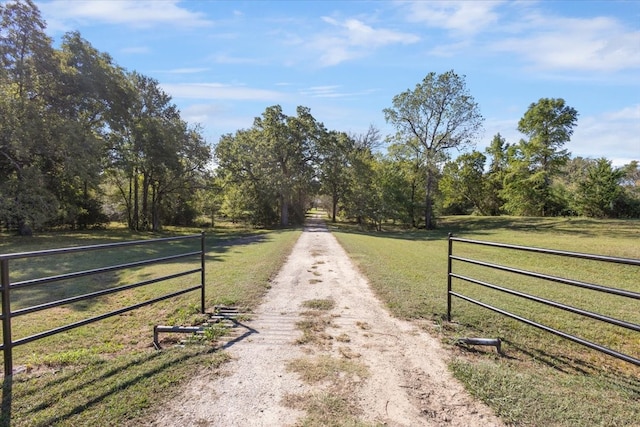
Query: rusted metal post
449,278
202,271
7,340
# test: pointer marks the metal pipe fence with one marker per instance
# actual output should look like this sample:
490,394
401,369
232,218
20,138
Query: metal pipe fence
622,293
7,286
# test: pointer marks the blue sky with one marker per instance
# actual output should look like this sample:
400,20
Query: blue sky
224,62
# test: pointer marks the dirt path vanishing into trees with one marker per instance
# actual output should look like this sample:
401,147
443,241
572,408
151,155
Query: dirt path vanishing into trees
320,350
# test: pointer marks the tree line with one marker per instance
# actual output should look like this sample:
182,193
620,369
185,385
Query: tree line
84,142
284,163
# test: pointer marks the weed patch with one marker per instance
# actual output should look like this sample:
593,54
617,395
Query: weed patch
335,404
319,304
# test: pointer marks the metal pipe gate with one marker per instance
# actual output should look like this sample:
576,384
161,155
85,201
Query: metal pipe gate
6,286
564,281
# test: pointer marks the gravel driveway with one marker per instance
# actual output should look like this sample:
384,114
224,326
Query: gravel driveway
407,381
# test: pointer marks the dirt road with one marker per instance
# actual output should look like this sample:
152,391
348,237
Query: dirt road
401,377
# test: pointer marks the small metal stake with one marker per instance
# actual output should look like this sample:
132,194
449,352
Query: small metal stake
495,342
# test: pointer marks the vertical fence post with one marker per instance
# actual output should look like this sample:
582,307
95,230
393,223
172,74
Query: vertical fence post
7,340
449,278
202,275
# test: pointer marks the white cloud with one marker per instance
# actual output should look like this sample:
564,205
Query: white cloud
464,17
614,135
352,38
331,91
545,42
219,91
60,14
593,44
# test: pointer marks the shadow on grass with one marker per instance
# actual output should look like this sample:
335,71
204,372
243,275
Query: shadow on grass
7,393
479,226
53,265
625,379
89,387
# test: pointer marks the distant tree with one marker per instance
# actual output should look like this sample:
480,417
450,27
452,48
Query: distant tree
288,145
334,150
462,183
494,178
630,208
600,191
361,199
439,114
527,187
408,159
275,160
155,156
631,177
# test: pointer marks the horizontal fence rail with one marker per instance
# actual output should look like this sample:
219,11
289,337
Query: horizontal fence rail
6,287
622,293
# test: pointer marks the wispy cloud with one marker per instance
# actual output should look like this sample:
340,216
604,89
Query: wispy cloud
331,91
543,41
135,13
594,44
223,58
463,17
616,133
352,38
219,91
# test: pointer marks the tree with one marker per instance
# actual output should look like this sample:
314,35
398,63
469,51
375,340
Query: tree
361,197
155,156
462,182
88,106
288,145
549,125
334,150
494,178
439,114
276,157
600,191
407,158
29,71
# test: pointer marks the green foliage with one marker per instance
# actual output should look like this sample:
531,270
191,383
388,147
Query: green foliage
438,115
600,191
334,151
462,183
83,142
273,162
71,118
533,164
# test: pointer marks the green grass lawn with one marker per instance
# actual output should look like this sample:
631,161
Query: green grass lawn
541,379
109,370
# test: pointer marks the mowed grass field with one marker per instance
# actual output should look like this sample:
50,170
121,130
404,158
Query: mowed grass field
108,373
540,379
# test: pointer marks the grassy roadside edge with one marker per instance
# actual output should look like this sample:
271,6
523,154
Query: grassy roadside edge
526,387
123,385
